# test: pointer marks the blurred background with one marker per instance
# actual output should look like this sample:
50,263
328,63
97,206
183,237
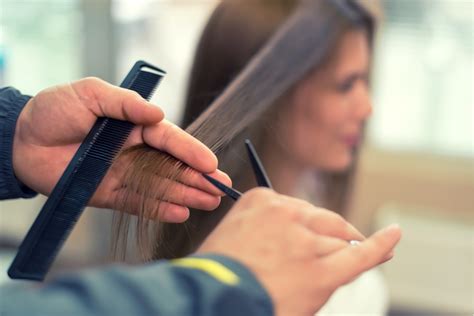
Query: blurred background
417,164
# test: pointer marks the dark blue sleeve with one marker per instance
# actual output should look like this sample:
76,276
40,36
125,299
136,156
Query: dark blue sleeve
199,285
11,104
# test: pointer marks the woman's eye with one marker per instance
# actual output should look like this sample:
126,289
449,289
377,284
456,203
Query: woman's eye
346,85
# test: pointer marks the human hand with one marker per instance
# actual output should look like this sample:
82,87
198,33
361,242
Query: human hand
53,124
300,253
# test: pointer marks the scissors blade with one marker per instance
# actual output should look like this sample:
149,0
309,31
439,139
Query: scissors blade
259,171
230,192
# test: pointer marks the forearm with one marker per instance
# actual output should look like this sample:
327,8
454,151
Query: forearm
11,104
210,285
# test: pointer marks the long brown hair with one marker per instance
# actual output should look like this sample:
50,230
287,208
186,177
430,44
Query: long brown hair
251,53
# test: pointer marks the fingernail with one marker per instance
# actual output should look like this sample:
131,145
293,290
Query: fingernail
388,256
392,228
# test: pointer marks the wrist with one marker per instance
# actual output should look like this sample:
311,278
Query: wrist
19,156
12,103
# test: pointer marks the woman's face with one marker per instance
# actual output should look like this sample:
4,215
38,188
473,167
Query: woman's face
323,123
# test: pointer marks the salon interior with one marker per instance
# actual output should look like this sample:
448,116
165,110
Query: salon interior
415,165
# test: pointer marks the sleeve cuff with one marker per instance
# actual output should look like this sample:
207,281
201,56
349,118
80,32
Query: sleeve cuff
246,280
12,103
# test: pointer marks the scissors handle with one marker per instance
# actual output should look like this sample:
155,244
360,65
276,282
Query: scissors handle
230,192
259,171
260,174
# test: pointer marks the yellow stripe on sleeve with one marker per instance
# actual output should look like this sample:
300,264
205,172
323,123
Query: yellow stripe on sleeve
211,267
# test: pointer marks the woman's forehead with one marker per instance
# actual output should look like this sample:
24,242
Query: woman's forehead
351,54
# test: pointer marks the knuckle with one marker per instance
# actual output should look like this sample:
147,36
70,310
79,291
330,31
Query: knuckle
305,205
266,200
293,214
340,220
92,81
167,134
88,87
335,218
290,210
307,243
259,193
134,94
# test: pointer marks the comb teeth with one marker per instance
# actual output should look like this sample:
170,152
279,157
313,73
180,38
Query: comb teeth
110,139
145,84
77,184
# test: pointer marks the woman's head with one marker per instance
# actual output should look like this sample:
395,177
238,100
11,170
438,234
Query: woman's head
320,122
317,122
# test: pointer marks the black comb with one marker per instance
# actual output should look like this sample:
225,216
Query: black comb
78,183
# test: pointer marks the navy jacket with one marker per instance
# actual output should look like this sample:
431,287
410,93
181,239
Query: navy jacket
197,285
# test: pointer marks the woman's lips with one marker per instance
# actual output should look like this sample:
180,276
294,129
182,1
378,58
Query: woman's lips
351,140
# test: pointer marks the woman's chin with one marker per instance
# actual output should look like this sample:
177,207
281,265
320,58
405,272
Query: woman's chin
339,164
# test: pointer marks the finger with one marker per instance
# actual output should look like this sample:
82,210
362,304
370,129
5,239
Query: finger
261,196
185,195
170,138
320,245
115,102
152,209
171,213
336,226
195,179
325,222
344,265
135,137
188,176
180,194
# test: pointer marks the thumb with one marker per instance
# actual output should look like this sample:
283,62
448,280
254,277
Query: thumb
118,103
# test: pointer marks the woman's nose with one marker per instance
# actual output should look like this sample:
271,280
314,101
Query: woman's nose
363,102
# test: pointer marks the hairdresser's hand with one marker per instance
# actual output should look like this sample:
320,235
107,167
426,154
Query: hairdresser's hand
53,124
298,252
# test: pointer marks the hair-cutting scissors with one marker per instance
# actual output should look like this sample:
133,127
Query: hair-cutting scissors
258,169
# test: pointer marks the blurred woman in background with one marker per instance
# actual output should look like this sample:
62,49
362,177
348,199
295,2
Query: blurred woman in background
307,139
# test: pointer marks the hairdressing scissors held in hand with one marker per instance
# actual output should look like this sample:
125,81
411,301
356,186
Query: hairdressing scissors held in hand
260,175
259,171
